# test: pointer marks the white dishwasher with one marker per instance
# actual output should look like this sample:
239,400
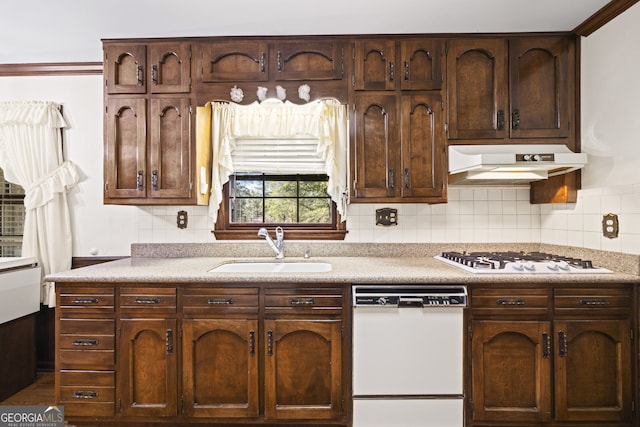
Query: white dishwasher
407,355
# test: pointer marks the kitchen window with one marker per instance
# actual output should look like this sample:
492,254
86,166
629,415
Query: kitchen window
276,163
297,202
12,213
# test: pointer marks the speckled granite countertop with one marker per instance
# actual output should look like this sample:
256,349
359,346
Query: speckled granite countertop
351,263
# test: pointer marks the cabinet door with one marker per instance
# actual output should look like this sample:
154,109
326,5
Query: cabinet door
147,380
477,88
170,148
377,146
423,147
593,370
170,67
303,369
375,62
235,61
125,154
539,87
124,66
421,62
511,371
310,60
220,368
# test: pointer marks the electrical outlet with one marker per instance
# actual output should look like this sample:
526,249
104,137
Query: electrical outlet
610,225
182,219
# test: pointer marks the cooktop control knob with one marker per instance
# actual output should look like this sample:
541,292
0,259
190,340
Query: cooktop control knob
383,301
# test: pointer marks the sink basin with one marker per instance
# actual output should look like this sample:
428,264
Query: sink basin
272,267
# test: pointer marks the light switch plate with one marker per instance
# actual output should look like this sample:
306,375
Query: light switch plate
386,216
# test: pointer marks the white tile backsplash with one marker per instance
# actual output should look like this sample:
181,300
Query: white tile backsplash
472,215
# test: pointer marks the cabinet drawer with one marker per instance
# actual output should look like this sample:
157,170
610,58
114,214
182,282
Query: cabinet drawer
85,301
86,359
304,300
87,326
511,301
87,393
159,301
86,342
202,301
606,301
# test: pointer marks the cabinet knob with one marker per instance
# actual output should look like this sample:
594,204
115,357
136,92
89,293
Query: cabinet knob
562,343
140,75
154,180
500,120
140,180
515,119
546,345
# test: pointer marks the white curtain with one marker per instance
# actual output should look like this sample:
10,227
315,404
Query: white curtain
31,156
324,120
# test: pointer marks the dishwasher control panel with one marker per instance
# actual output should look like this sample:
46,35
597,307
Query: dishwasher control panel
409,296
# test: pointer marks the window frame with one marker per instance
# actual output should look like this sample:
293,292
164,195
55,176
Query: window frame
226,230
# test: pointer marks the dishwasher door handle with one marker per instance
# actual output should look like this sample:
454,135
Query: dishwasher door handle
410,302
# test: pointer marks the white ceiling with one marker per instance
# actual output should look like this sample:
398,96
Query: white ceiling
70,30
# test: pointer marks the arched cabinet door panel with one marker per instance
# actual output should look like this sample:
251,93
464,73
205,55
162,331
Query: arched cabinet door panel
511,371
303,372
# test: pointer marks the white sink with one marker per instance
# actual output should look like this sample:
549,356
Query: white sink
272,267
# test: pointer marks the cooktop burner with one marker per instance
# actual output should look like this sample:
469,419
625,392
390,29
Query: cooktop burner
519,262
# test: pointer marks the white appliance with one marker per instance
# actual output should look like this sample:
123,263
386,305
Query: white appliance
407,355
20,280
510,163
510,262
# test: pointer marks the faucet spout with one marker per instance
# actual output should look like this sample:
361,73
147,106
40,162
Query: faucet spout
276,246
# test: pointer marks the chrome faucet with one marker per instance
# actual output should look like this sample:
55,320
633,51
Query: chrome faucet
277,246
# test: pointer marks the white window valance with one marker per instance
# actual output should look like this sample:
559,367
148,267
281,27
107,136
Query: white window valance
278,136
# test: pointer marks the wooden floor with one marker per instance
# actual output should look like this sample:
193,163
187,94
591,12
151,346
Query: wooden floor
37,394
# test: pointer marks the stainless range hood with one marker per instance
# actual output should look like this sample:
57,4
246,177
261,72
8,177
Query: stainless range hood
510,164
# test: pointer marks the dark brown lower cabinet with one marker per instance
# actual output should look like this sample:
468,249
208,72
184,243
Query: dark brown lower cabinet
201,355
303,369
148,368
220,368
560,357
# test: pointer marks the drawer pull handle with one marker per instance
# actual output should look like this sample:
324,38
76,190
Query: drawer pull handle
220,301
302,301
85,394
593,301
270,342
85,300
85,342
147,300
502,301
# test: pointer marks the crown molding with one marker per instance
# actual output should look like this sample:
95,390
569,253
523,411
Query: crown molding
603,16
51,69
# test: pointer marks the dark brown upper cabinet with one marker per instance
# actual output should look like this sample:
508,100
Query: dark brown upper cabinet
137,68
258,61
517,88
378,66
